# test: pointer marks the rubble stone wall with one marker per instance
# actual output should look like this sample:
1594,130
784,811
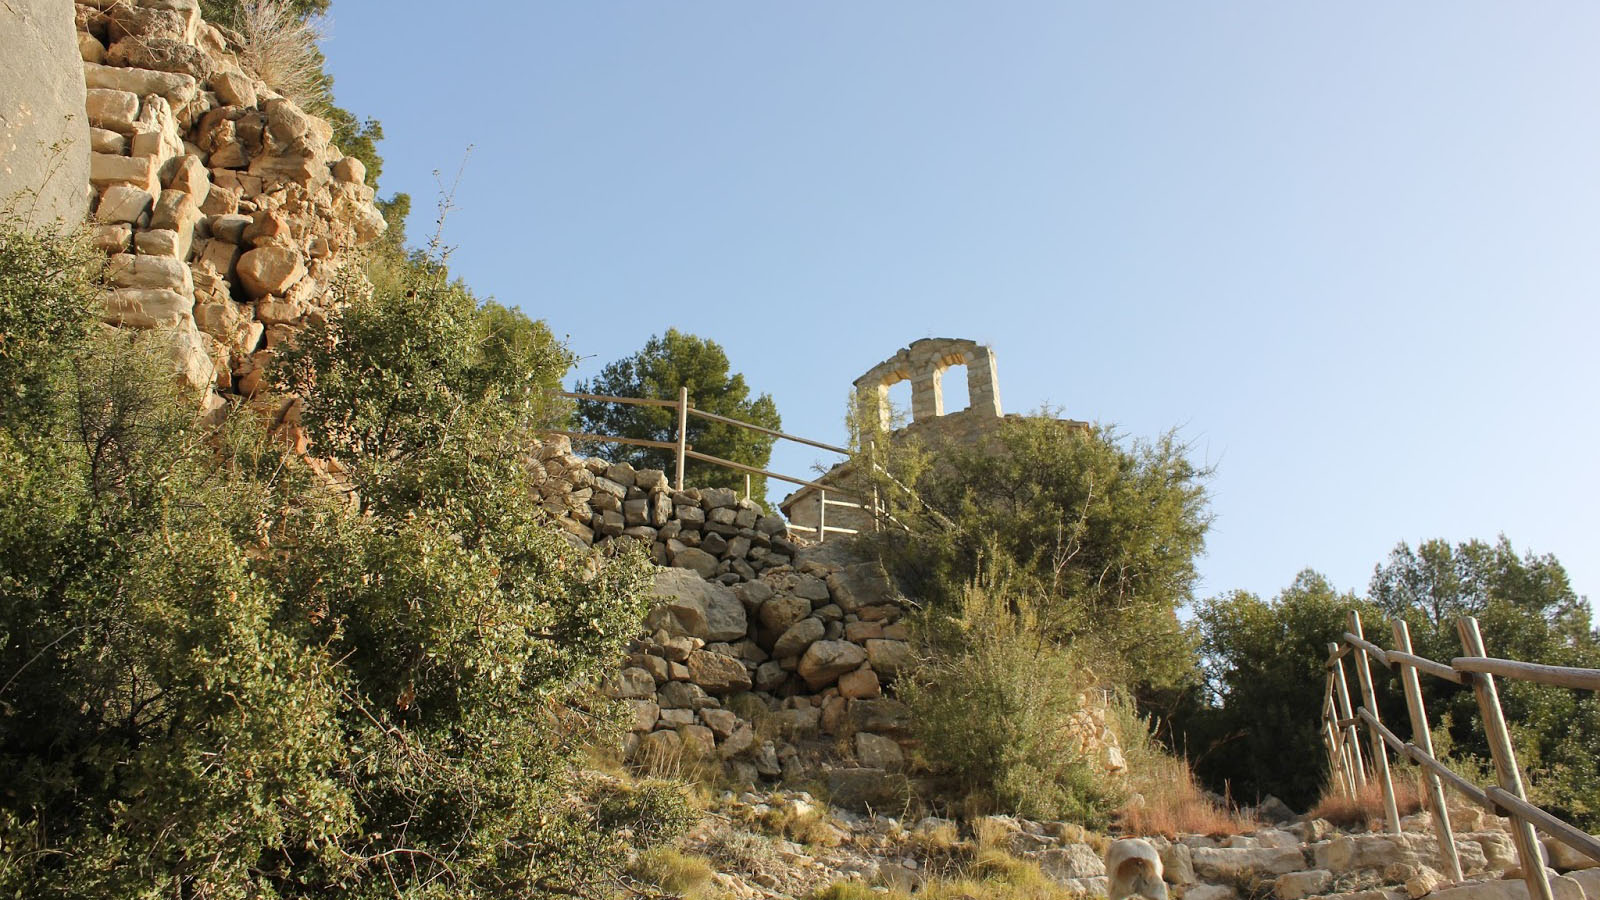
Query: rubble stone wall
224,208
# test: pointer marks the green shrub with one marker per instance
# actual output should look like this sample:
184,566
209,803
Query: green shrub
994,701
220,678
1103,531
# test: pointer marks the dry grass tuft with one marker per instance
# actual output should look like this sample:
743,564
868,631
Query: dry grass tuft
281,49
1365,810
1165,799
675,872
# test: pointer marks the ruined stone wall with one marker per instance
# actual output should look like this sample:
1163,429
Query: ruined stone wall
223,207
755,653
44,142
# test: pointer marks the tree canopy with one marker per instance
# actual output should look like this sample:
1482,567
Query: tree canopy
1109,528
1261,698
1253,728
666,363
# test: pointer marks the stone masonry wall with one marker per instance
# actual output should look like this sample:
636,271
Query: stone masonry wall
761,651
224,208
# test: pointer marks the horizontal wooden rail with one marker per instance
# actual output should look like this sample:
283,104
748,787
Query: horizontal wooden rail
629,401
1560,676
1423,664
1467,788
706,457
1573,837
1373,650
1476,668
746,425
1388,736
829,529
605,438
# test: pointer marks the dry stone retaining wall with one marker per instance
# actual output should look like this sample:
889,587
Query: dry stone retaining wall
759,651
225,209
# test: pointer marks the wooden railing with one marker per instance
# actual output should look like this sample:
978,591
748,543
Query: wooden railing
1476,669
682,450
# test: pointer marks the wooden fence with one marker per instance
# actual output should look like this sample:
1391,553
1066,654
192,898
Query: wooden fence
682,450
1478,670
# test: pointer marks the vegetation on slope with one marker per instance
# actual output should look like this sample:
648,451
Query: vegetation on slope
219,677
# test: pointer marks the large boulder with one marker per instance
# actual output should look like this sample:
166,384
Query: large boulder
699,608
718,674
1235,863
862,584
44,135
798,637
825,661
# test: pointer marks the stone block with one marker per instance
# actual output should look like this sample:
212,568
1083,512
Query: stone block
159,242
862,684
1236,863
142,308
112,110
234,88
176,88
825,661
889,658
1299,885
112,238
106,170
273,270
125,270
878,752
123,204
782,611
104,140
798,637
718,674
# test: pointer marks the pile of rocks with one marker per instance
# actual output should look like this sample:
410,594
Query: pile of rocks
224,207
1306,860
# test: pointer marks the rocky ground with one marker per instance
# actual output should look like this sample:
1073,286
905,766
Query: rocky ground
787,844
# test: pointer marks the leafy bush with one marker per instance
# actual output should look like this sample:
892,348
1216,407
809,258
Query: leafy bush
995,700
220,678
1107,530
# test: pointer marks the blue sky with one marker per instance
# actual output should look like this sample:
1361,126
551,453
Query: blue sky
1349,251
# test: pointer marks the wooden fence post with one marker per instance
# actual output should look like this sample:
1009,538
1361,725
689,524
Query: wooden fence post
1424,741
1338,765
1505,763
822,516
1348,714
1380,750
683,430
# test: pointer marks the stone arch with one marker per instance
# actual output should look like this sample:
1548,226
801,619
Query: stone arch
923,364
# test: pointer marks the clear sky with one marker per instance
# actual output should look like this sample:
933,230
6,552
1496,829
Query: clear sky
1349,251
